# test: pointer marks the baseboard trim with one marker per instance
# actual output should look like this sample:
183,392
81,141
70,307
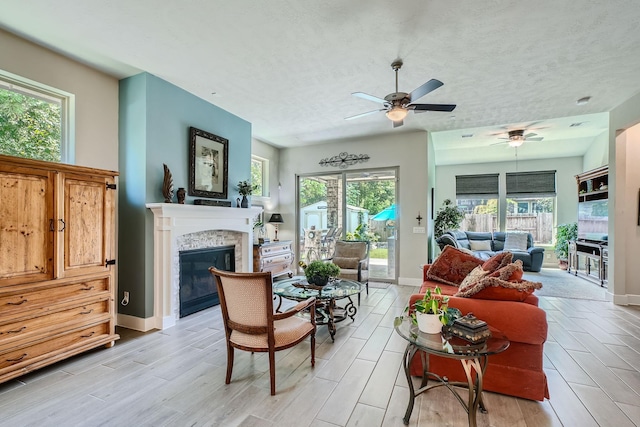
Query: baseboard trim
626,299
136,323
409,281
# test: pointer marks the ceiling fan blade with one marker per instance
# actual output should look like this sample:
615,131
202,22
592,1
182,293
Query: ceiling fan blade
540,138
432,107
369,97
357,116
529,135
498,143
398,124
429,86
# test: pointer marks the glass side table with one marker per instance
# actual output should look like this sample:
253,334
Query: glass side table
474,358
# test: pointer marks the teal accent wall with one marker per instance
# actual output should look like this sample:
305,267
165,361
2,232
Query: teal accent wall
154,119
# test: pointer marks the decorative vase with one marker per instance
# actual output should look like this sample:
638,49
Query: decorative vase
245,202
428,323
181,193
318,280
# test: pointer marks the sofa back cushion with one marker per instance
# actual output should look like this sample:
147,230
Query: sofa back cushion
480,245
452,266
499,238
516,242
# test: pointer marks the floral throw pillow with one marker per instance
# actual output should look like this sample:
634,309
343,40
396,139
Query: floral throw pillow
452,266
497,261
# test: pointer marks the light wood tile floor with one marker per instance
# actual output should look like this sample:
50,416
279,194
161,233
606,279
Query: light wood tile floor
176,377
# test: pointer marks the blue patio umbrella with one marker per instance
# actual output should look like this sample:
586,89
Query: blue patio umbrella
386,214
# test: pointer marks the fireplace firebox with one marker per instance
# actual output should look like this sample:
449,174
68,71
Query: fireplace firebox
197,286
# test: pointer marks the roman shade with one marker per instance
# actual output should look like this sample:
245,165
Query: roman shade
531,184
477,186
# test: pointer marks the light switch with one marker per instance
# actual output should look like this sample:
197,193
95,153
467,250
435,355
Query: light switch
418,230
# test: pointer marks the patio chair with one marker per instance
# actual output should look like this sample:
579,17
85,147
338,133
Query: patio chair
353,259
250,323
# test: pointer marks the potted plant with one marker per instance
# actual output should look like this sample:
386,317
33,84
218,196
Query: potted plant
433,311
319,272
449,217
564,233
245,189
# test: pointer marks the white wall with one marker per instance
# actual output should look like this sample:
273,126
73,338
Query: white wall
598,153
624,238
566,188
406,150
96,94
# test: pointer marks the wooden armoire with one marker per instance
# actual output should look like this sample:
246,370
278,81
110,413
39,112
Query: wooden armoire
57,246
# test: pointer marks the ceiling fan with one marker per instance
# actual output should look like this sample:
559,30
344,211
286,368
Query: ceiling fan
517,137
398,104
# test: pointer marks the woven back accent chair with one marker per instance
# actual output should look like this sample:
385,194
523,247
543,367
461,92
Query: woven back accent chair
353,259
250,323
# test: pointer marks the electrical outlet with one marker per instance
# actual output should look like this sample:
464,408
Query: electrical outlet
125,299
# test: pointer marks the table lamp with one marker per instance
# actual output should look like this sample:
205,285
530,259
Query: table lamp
276,219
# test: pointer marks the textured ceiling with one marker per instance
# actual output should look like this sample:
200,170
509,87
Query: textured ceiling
289,66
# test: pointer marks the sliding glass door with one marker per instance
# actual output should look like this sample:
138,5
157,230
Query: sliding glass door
354,205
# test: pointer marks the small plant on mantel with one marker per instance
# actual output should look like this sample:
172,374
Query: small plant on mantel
245,188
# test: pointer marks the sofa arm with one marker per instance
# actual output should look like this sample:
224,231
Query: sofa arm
535,250
425,269
519,321
447,239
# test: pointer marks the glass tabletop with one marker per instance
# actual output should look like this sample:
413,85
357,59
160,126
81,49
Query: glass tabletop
452,347
296,288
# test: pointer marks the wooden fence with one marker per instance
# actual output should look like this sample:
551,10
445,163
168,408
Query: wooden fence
539,225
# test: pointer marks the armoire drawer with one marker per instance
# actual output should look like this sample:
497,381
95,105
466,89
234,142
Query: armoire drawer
24,300
29,353
35,327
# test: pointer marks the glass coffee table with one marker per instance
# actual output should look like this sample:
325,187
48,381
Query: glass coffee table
328,312
474,358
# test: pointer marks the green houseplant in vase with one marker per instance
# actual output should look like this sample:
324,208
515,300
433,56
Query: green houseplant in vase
245,189
319,272
564,233
433,311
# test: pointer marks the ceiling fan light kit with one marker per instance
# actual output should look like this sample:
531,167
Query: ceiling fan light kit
397,104
397,114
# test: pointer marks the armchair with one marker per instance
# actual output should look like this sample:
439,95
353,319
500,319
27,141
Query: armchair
353,259
250,323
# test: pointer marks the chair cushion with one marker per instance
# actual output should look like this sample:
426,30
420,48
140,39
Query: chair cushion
344,262
287,331
351,249
452,266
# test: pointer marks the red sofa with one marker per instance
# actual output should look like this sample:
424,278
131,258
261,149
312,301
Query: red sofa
517,371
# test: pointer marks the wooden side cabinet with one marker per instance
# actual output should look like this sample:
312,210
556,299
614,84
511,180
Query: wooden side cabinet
57,241
276,257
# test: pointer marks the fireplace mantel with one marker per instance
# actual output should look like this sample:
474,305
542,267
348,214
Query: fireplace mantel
173,220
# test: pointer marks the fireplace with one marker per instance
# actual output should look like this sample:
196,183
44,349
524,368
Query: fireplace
197,286
177,228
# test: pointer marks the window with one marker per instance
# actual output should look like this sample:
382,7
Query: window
34,120
260,176
531,200
477,197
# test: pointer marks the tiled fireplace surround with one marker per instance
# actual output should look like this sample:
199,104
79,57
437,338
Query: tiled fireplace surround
183,227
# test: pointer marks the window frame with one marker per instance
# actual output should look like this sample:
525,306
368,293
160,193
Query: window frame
32,88
265,177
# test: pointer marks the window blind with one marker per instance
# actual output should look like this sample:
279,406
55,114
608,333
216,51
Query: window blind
474,186
531,184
